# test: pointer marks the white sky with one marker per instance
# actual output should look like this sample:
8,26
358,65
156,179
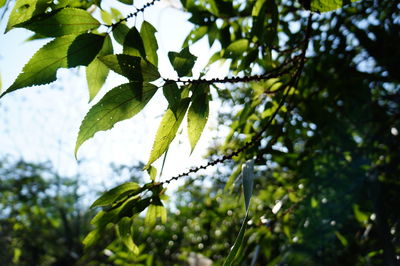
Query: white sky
41,123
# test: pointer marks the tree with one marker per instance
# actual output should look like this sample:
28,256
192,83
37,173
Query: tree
313,107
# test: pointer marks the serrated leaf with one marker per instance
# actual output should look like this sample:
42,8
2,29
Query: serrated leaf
325,5
248,180
97,72
122,102
63,52
237,48
132,67
147,31
110,196
133,44
61,22
197,118
152,171
24,10
172,94
167,130
182,62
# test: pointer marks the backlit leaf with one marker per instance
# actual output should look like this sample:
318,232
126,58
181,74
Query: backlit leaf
237,48
152,172
24,10
97,72
167,130
182,62
122,102
154,212
172,94
126,235
63,52
120,32
132,67
133,44
61,22
248,180
147,31
197,118
325,5
110,196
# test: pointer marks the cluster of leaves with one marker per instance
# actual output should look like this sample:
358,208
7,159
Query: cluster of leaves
311,139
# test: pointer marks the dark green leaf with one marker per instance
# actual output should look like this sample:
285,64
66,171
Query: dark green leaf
172,94
182,62
133,44
132,67
122,102
128,2
120,32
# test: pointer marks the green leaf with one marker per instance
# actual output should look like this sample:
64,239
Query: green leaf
126,235
133,44
97,72
166,132
237,48
152,171
110,196
127,2
132,67
122,102
258,6
120,33
61,22
172,94
182,62
24,10
238,243
197,117
360,216
92,238
248,180
341,238
2,3
147,31
63,52
106,17
325,5
153,212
